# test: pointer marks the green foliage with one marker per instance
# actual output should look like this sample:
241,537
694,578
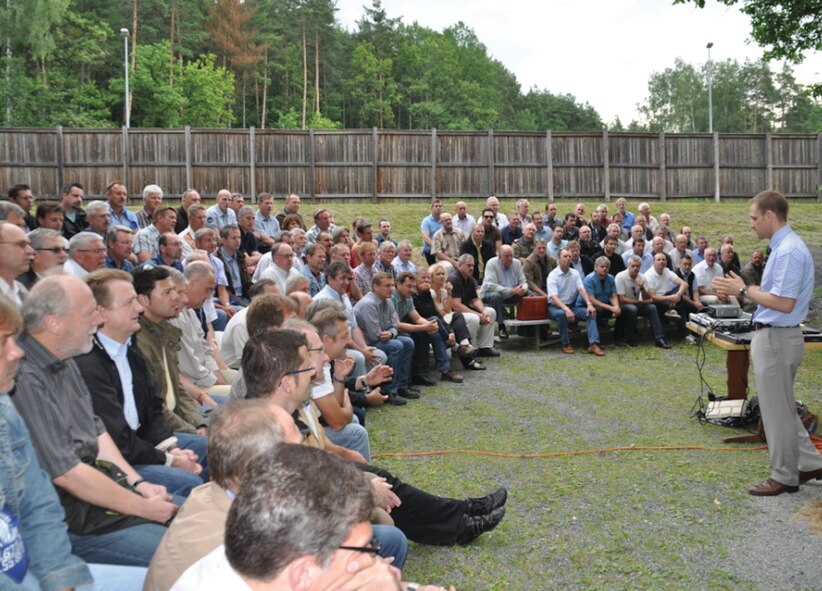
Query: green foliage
788,29
209,93
747,97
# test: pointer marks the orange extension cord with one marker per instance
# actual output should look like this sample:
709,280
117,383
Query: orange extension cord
816,441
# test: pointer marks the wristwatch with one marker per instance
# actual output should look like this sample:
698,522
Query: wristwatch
743,292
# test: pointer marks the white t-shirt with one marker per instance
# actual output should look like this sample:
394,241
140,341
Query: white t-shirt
211,573
659,284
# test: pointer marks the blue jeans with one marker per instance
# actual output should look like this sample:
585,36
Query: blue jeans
132,546
627,321
580,313
392,543
176,480
400,349
199,445
107,577
353,436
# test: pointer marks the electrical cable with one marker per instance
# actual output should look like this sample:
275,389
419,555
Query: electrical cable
560,454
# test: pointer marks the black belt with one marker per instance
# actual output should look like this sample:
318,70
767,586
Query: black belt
760,326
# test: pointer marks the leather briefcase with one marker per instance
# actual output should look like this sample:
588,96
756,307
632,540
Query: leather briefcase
532,308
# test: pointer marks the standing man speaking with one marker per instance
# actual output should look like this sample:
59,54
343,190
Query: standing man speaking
777,347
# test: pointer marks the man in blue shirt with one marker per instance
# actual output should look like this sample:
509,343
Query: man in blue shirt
777,347
429,226
117,196
602,293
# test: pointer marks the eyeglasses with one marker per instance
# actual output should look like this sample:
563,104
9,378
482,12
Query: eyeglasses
488,217
296,371
372,548
54,249
316,350
18,243
94,250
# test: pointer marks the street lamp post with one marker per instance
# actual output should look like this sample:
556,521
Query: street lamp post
710,90
126,105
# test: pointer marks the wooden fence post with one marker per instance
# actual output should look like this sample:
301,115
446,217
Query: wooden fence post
606,170
375,164
58,153
311,167
549,163
768,162
716,165
433,163
124,136
492,189
663,174
188,150
819,167
252,163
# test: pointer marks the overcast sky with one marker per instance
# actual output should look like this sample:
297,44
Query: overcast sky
601,51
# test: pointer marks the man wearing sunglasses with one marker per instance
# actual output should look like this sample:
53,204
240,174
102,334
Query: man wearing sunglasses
50,252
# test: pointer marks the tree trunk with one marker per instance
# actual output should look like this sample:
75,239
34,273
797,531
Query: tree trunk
265,91
172,18
305,80
316,72
133,63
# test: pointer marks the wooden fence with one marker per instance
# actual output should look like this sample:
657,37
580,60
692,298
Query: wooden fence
381,165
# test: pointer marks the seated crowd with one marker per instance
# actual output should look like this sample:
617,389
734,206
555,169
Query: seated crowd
195,380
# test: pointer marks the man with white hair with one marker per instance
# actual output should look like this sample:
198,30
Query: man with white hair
523,206
504,283
705,272
650,221
16,256
13,213
500,219
99,217
50,252
196,221
152,199
446,242
87,253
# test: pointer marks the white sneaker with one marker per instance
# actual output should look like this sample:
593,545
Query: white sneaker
672,314
691,339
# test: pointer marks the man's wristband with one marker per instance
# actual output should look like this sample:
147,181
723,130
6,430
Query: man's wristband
138,482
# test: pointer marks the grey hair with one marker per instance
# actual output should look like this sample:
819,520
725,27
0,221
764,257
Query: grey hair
321,304
111,233
603,260
149,189
95,207
198,235
465,258
48,297
386,245
245,210
38,236
634,257
198,270
7,208
82,240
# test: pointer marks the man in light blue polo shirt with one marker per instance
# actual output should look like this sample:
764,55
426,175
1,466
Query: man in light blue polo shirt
564,287
117,196
777,347
266,226
220,214
429,226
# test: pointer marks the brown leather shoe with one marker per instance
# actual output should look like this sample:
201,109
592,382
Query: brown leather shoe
771,488
594,349
568,349
450,376
812,475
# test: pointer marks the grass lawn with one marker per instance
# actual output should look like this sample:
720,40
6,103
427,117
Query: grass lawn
639,519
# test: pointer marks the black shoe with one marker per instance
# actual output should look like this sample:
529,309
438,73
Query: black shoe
396,400
503,332
408,393
662,344
488,503
476,525
487,352
475,364
423,381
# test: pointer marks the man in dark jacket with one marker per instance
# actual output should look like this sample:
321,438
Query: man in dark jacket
124,394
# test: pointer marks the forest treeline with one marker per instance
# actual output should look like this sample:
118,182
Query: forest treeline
290,64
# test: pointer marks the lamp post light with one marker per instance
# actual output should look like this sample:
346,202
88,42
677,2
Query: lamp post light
710,90
126,105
